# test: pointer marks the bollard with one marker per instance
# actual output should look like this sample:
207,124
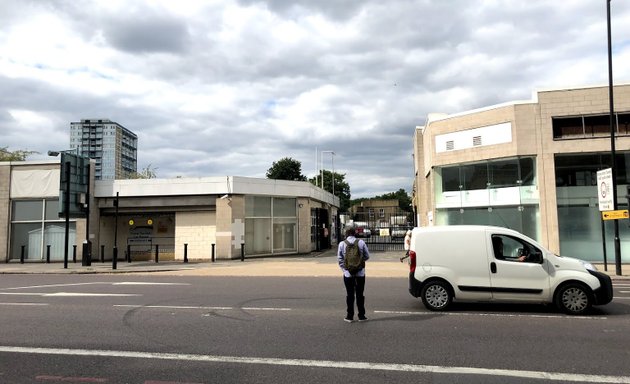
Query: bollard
185,252
128,253
48,254
114,257
74,253
242,251
102,253
157,252
22,256
213,252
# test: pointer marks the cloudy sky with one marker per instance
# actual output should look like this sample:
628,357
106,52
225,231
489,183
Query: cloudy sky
227,87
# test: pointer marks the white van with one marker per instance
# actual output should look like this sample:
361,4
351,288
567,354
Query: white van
485,263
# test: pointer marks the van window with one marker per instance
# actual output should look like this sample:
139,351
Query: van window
513,249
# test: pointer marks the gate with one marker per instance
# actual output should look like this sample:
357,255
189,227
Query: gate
382,228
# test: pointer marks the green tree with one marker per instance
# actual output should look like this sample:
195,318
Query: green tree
286,169
18,155
404,200
342,189
146,173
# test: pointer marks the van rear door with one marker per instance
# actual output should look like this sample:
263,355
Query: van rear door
513,279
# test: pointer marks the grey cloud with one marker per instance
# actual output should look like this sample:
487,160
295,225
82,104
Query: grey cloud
147,34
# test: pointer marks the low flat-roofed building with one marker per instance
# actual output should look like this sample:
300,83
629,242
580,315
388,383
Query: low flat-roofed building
197,216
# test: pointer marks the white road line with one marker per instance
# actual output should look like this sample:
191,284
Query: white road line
201,307
92,283
491,315
25,304
69,294
412,368
51,286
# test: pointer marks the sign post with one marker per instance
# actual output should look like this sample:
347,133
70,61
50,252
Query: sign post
605,198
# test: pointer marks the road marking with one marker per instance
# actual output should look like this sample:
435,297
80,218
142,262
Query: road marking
69,294
413,368
50,286
146,283
67,379
92,283
201,307
491,315
25,304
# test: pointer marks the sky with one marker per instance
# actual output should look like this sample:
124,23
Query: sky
220,87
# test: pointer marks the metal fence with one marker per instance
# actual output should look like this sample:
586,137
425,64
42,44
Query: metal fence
382,228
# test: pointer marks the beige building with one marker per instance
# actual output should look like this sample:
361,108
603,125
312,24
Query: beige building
198,217
530,166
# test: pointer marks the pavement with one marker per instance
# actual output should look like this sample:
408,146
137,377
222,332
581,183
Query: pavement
315,264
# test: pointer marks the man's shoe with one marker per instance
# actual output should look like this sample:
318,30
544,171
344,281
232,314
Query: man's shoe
348,319
363,318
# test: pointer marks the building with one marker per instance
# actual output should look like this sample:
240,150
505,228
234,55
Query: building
196,217
114,147
530,166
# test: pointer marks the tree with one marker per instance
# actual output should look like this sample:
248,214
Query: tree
146,173
286,169
404,200
18,155
342,189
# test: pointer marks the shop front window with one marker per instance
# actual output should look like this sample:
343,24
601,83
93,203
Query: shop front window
36,227
270,225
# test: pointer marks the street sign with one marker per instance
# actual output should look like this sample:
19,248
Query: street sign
77,183
605,192
615,215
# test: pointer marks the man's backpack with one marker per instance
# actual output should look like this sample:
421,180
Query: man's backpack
353,260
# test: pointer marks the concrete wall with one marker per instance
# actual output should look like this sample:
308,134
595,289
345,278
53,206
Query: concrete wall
198,230
5,185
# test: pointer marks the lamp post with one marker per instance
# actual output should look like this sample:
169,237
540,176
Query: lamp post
332,159
612,143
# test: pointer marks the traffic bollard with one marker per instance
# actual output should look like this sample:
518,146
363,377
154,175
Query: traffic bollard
185,252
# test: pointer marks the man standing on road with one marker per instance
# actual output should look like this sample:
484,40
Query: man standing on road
353,275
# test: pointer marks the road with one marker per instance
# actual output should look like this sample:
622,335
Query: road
188,329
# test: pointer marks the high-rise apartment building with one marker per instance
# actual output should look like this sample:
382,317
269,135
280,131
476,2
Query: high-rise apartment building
114,147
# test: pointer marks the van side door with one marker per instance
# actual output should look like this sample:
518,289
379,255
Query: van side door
518,271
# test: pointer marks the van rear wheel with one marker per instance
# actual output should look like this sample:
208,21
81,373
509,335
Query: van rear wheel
436,295
573,299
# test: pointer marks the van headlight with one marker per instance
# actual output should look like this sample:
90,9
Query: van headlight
589,266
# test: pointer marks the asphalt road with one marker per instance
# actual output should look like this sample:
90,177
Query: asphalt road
189,329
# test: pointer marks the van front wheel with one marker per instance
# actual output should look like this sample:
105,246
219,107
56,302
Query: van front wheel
436,295
573,299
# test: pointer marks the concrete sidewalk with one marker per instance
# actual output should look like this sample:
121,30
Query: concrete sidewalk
381,264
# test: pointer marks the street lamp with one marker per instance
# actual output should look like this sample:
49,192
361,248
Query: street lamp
612,143
332,159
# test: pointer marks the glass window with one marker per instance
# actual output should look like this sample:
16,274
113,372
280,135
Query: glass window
284,207
52,209
450,179
475,176
597,125
257,206
567,127
503,173
27,210
527,170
